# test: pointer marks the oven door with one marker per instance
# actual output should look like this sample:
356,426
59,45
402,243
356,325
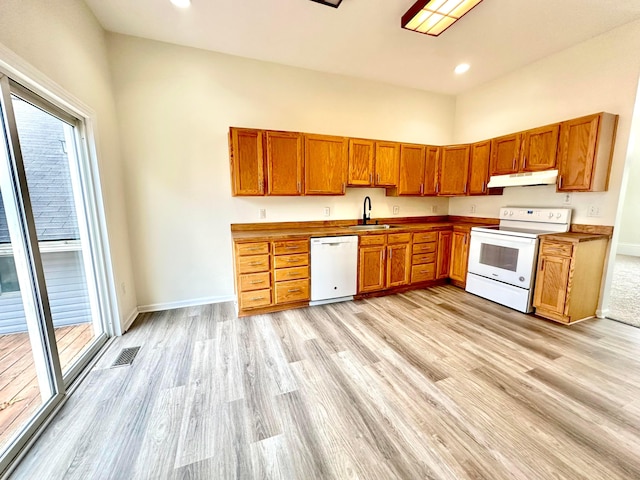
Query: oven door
505,258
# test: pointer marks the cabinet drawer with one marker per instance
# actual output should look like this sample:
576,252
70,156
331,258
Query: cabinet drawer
284,261
399,238
259,298
291,246
255,281
253,264
423,258
553,248
425,237
293,291
294,273
424,248
252,248
423,273
373,239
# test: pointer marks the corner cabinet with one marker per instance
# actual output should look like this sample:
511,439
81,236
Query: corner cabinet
325,160
568,277
584,153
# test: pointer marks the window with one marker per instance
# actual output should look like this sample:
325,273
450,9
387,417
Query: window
8,275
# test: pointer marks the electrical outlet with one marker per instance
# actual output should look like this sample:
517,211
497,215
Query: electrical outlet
594,211
472,209
396,210
327,211
434,209
262,213
566,199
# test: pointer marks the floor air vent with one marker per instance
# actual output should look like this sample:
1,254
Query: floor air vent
126,357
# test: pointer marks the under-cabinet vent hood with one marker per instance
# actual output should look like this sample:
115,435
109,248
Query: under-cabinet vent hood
548,177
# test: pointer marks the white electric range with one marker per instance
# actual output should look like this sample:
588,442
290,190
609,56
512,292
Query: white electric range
502,258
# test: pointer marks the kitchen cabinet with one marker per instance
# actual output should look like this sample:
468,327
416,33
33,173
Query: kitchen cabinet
453,170
399,259
284,163
431,185
412,163
361,160
479,168
247,162
569,274
443,258
459,257
423,259
387,164
540,148
505,153
325,164
584,153
384,261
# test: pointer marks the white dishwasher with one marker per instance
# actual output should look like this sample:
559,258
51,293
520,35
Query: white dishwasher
334,269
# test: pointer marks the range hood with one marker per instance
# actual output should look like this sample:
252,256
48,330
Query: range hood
548,177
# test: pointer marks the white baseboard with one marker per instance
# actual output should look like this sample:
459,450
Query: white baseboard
130,319
632,249
602,313
156,307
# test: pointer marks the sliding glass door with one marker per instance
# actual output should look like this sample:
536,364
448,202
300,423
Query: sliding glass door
51,310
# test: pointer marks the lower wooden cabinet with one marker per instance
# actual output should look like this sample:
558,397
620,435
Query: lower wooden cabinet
371,271
384,261
459,257
568,276
444,254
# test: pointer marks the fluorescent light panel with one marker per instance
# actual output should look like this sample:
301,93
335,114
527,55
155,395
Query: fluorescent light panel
330,3
432,17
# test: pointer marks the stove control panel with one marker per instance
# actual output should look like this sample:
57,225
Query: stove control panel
541,215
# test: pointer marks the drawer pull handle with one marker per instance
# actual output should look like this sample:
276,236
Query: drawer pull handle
255,282
255,264
293,290
253,249
424,271
292,260
255,299
291,247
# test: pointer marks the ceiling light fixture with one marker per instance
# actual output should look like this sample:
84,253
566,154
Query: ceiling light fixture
181,3
330,3
432,17
462,68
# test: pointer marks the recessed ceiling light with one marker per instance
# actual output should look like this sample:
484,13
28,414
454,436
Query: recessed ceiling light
181,3
462,68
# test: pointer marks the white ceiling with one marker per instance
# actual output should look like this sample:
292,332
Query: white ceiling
363,38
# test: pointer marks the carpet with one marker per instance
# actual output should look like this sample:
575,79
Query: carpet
624,300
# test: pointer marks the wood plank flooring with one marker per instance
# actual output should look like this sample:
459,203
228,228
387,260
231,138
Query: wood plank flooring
19,390
430,384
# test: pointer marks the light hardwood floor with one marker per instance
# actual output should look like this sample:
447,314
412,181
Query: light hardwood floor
434,384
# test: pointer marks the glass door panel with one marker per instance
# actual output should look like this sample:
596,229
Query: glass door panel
48,152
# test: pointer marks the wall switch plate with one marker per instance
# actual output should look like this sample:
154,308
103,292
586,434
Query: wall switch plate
327,211
262,213
594,211
396,209
472,209
566,199
434,208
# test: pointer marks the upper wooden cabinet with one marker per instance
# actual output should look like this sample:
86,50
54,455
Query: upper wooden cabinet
505,153
412,162
247,161
361,155
387,164
584,153
453,170
540,148
325,161
479,168
431,171
284,163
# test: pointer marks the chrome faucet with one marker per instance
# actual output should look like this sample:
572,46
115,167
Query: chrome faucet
366,217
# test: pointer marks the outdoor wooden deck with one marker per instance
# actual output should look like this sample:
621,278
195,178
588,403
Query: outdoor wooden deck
19,391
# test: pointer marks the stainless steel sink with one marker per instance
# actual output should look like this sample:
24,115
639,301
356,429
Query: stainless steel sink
370,227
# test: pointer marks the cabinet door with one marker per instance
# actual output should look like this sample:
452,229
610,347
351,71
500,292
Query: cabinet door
444,254
360,172
398,265
540,148
505,152
371,274
387,164
453,170
459,256
551,283
412,159
577,153
479,168
284,163
247,161
431,171
325,165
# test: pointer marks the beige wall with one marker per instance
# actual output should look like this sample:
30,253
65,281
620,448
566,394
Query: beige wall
175,106
600,74
64,41
629,239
